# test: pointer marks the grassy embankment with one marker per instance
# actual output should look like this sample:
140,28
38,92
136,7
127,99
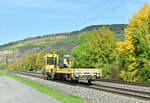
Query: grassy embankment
66,98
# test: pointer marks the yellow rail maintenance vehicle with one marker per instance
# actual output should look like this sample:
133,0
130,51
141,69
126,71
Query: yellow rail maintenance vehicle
57,66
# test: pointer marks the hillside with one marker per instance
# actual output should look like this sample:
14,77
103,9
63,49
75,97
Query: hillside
18,49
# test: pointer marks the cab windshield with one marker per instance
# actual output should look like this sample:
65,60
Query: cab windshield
50,61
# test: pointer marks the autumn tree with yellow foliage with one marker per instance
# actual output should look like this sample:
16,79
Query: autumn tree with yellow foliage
30,62
39,60
134,52
27,63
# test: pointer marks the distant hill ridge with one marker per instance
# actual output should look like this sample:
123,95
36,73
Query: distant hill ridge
116,28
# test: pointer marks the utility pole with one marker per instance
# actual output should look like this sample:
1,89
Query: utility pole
6,61
33,62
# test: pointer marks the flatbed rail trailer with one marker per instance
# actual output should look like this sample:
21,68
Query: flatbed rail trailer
56,67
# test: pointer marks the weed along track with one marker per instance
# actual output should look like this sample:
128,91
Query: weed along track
142,95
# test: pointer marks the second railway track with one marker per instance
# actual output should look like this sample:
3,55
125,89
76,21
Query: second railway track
115,90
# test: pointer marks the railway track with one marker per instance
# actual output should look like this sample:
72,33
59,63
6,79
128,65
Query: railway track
121,91
33,74
115,90
125,83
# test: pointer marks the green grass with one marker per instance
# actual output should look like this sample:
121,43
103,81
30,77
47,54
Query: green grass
10,47
65,98
14,46
67,41
40,43
50,42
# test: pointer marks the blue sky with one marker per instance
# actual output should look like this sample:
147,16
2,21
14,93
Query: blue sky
20,19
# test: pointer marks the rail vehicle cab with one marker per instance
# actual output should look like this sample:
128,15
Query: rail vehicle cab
54,63
50,64
50,61
57,61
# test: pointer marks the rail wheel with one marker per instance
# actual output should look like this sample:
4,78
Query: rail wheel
90,82
46,76
74,81
51,76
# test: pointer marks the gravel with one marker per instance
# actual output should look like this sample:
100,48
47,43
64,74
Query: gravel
124,86
91,95
12,91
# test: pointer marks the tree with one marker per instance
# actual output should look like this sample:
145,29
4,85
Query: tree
53,51
40,59
95,49
135,50
59,51
27,63
30,62
62,51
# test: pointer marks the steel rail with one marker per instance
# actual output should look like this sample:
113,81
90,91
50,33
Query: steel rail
125,83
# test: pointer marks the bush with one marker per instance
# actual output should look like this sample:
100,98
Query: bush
3,66
111,72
